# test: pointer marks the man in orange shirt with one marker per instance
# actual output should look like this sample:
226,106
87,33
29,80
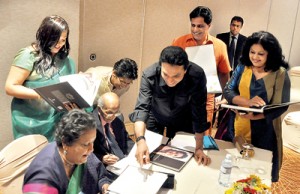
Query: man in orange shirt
201,18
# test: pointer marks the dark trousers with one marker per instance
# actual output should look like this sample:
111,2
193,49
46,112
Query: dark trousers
182,123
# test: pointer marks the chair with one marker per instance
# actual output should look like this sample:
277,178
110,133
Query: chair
291,131
15,159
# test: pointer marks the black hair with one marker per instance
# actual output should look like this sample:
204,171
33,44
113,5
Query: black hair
174,55
275,58
237,18
126,68
202,11
47,36
72,125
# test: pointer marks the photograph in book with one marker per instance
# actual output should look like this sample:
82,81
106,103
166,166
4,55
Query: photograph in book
258,109
170,157
77,90
204,57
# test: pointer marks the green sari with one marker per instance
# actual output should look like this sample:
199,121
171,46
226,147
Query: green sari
31,116
74,186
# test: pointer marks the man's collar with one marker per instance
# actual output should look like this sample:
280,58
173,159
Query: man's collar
236,36
209,39
103,122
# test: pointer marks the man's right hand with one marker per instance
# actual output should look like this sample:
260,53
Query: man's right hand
142,152
110,159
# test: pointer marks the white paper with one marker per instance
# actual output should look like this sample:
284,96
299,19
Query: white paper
83,83
153,141
135,180
204,57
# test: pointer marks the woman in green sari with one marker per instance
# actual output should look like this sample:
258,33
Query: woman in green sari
38,65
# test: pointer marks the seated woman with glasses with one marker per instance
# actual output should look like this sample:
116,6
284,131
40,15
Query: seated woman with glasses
68,165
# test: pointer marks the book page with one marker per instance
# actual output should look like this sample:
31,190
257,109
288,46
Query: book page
204,57
142,181
84,84
153,141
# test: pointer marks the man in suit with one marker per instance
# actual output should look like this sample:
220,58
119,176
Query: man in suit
236,25
111,140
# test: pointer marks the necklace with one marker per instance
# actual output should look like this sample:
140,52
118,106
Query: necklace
65,161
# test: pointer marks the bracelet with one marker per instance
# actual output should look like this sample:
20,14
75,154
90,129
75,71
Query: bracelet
139,138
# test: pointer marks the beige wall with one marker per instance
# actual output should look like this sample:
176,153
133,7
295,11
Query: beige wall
138,29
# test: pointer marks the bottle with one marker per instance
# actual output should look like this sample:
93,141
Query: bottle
225,171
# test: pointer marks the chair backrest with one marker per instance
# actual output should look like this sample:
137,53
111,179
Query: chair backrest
15,159
291,131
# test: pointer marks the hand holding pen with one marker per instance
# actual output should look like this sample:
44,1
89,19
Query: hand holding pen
110,159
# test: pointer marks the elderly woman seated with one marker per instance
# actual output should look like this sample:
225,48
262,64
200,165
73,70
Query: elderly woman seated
68,165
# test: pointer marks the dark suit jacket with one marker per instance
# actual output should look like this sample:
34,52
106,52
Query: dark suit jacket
100,146
239,46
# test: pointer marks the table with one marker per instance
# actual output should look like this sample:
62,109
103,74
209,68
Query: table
204,179
194,178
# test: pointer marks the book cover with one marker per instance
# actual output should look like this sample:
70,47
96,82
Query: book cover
77,90
257,109
170,157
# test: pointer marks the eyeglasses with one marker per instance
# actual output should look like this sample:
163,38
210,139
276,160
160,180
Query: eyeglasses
122,81
109,113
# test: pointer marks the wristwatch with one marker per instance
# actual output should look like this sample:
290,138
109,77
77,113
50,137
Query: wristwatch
139,138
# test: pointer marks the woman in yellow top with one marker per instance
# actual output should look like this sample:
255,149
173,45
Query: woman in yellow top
260,79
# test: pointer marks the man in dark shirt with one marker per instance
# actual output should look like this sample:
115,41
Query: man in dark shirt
172,95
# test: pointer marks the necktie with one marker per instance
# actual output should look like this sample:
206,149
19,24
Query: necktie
231,51
113,144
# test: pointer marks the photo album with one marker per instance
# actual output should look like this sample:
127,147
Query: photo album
170,157
77,90
257,109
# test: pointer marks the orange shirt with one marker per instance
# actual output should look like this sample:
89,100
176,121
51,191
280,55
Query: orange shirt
220,50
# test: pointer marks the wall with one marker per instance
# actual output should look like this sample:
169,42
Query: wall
19,22
141,29
138,29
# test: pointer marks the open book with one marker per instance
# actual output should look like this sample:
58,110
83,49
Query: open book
257,109
179,151
204,57
170,157
77,89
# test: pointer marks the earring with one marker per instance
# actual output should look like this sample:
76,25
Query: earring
65,152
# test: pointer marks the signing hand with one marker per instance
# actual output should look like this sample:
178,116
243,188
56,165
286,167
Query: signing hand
110,159
202,158
105,188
